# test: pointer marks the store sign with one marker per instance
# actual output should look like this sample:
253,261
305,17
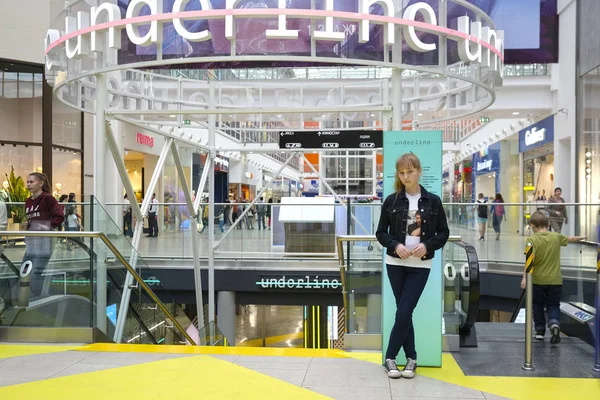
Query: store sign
534,136
484,165
305,282
537,135
144,140
359,139
146,24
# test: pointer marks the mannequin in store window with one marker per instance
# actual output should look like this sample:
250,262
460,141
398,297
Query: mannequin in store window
57,188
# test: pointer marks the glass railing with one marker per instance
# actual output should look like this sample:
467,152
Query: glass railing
507,228
361,270
311,73
79,281
211,335
297,235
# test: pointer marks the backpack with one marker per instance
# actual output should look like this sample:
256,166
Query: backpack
482,211
498,210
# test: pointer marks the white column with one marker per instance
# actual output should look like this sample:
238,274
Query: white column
99,192
226,314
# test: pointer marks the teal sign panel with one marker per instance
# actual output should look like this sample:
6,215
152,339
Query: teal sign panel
427,317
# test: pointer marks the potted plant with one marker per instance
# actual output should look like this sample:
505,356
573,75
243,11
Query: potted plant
17,193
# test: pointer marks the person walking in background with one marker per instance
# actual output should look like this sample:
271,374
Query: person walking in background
547,276
127,218
482,215
408,258
498,214
261,209
153,217
269,211
557,211
43,213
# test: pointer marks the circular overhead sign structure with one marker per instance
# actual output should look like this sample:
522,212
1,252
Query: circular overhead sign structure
452,48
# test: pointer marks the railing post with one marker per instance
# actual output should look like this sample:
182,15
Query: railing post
528,365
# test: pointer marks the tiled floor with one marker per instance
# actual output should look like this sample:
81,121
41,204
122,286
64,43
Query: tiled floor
151,372
337,378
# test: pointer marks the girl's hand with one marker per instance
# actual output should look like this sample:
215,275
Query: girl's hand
402,252
523,283
420,251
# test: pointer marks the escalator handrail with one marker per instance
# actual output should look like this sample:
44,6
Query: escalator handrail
117,253
474,287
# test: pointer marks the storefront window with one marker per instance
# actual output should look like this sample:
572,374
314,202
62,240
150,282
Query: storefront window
66,172
66,126
589,156
25,159
20,107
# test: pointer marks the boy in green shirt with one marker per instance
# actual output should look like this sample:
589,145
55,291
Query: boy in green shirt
547,277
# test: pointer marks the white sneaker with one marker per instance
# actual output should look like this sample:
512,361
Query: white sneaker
392,369
409,369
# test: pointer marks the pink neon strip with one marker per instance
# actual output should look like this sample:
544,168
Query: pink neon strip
253,12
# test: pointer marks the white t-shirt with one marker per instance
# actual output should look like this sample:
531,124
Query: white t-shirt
413,236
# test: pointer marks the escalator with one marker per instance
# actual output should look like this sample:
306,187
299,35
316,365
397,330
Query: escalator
361,268
500,344
74,306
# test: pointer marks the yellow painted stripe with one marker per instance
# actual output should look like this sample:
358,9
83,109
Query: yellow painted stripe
313,327
318,327
10,350
200,377
208,350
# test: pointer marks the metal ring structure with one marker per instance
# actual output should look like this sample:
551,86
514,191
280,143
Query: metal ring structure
442,91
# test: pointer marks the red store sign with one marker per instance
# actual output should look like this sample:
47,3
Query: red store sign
144,140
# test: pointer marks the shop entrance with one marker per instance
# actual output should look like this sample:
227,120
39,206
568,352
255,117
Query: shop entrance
139,168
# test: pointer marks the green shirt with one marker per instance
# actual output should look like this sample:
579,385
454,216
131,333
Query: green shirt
546,264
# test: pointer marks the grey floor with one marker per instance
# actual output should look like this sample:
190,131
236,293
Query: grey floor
500,352
337,378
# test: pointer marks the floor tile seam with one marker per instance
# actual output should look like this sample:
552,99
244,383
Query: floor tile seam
306,372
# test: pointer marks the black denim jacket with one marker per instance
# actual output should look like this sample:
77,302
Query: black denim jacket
391,230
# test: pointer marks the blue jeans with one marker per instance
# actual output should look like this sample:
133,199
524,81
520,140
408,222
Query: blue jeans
546,296
407,284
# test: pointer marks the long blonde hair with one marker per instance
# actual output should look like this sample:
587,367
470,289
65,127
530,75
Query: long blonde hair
405,161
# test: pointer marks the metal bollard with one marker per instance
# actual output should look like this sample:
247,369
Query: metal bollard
24,284
528,365
597,320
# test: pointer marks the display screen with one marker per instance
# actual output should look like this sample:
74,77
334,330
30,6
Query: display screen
531,34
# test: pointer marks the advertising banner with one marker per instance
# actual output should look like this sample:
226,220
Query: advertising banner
427,317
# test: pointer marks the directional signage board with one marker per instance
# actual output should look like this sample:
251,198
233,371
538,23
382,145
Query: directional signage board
331,139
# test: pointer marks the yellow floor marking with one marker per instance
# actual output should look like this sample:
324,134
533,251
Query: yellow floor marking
199,377
237,351
271,340
511,387
16,350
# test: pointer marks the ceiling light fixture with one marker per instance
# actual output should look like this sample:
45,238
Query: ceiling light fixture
516,113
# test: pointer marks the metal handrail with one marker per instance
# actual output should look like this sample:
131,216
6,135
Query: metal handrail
119,256
359,238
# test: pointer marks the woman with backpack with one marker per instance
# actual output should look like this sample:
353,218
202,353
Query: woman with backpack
482,215
498,214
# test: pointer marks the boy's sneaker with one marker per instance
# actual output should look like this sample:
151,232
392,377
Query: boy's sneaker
555,334
409,369
392,368
539,335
